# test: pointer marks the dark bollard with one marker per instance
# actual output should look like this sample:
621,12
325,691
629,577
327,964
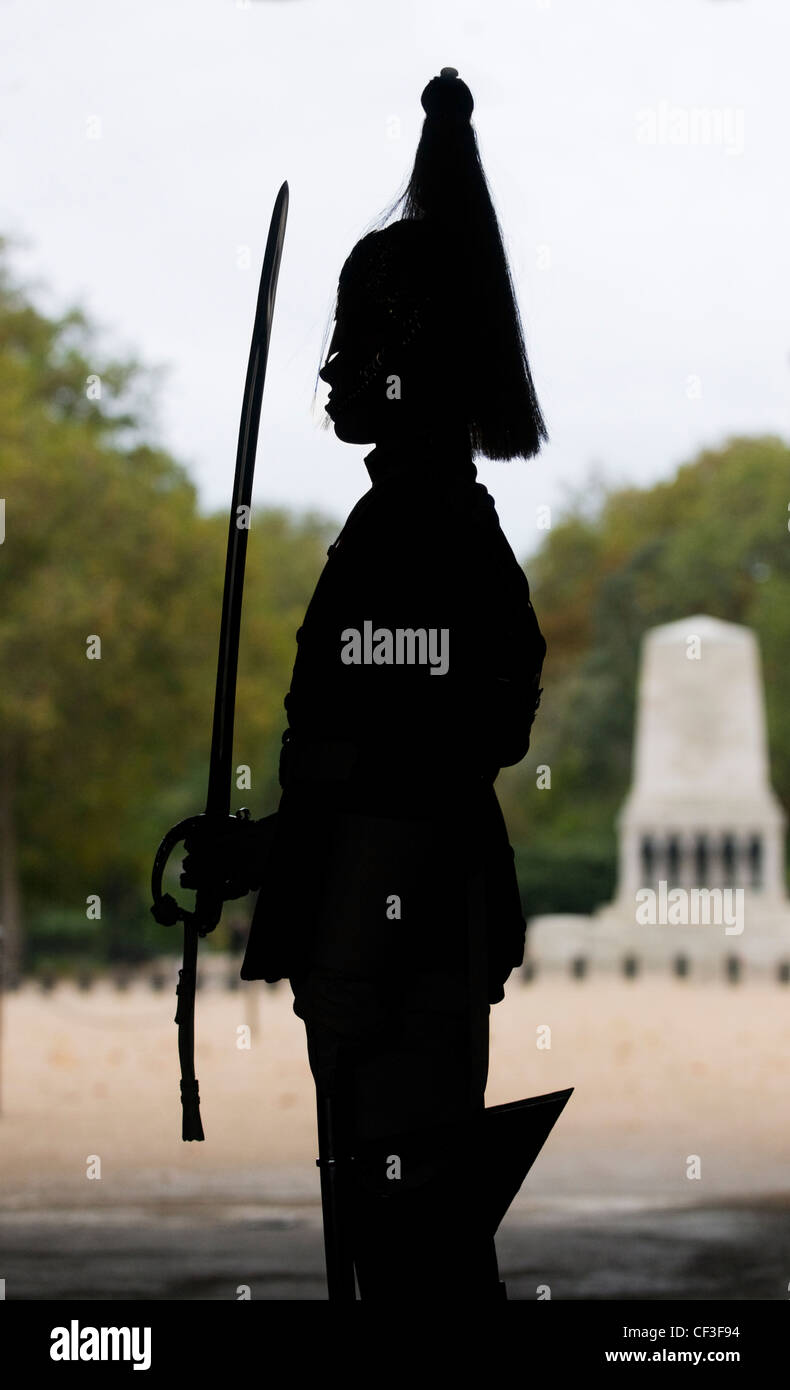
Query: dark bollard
528,971
681,967
630,967
579,967
783,972
733,969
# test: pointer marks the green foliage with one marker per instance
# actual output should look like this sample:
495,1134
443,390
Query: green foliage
552,880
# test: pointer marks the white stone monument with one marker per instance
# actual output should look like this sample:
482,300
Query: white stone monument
701,832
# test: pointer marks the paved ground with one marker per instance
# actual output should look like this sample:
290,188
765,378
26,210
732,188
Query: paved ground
613,1251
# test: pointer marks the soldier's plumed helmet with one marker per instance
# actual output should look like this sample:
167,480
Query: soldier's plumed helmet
391,289
437,281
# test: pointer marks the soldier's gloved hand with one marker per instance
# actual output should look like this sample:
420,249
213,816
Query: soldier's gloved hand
224,858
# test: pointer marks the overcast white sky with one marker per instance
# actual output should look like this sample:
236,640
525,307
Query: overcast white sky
651,266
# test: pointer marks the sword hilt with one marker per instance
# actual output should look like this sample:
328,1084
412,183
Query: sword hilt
165,909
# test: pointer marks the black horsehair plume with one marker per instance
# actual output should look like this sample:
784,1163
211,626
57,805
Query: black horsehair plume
447,190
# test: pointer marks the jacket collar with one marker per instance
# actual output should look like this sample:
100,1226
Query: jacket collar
420,460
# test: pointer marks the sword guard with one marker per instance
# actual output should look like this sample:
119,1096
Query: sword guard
165,909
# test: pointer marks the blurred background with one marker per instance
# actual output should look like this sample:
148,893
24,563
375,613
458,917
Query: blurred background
635,156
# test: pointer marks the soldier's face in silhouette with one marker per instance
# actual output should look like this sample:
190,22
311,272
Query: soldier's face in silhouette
357,402
377,392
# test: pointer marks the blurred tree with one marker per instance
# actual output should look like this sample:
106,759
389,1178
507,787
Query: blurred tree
104,742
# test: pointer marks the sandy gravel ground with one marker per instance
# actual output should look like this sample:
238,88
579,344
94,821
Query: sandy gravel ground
663,1070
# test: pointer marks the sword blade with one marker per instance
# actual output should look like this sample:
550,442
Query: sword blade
208,902
218,796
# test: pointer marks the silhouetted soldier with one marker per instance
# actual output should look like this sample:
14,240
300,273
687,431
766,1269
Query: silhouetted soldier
389,898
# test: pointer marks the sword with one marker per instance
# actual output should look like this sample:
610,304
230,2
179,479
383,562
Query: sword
208,901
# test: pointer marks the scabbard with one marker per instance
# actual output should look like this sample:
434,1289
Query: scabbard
334,1165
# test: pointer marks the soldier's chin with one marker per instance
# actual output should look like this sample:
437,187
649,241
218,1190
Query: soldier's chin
351,428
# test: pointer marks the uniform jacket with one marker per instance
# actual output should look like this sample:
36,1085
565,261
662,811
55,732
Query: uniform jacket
417,678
